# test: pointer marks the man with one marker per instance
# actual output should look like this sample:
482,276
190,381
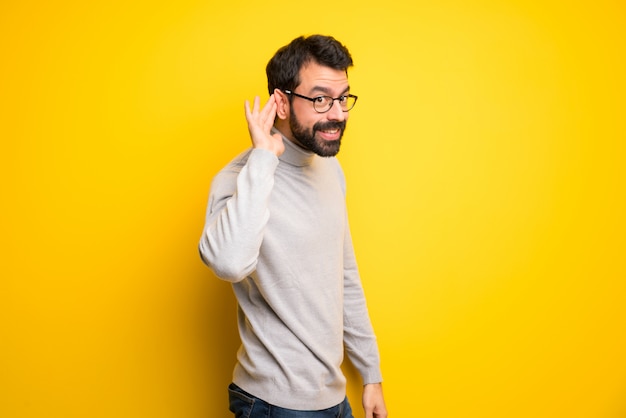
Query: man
277,228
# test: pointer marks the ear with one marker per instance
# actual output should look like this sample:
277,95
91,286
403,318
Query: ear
282,104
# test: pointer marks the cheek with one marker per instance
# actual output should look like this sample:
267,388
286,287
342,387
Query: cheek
308,122
318,122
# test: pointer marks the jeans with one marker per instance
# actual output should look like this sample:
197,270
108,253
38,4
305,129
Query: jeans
244,405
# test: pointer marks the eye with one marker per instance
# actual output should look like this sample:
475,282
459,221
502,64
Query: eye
343,99
320,99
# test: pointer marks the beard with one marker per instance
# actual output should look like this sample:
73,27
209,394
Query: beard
307,139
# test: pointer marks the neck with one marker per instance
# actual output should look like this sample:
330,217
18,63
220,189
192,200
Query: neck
282,125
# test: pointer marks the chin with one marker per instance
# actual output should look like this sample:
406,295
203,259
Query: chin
327,148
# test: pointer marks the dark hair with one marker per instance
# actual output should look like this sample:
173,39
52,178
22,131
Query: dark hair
283,70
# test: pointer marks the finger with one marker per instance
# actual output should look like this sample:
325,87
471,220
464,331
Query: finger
252,114
269,107
255,108
380,413
269,114
270,100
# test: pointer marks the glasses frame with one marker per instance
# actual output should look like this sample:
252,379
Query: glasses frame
313,100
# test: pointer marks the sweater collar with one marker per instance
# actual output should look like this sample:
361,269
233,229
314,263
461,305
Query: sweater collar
294,154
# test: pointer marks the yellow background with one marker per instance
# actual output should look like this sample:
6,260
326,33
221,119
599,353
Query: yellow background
485,164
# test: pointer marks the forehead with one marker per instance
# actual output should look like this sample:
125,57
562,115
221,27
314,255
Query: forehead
315,77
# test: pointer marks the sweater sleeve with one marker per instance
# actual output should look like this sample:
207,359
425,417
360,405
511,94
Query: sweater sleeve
359,338
237,215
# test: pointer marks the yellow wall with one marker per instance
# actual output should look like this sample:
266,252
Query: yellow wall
485,162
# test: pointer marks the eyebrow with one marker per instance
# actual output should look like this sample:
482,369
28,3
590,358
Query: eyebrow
326,90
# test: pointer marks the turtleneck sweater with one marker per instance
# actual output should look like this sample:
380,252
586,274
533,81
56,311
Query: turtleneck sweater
277,229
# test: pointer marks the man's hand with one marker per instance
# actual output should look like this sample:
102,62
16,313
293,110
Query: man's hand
260,123
373,401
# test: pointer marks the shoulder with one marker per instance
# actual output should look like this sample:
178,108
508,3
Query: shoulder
236,164
227,176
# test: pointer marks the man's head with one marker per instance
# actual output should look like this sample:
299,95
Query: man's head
298,75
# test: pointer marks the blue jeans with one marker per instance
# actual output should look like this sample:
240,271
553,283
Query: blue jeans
244,405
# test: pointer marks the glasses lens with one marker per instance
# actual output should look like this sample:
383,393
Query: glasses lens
323,103
348,102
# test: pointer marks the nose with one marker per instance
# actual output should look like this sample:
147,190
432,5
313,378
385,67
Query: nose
336,113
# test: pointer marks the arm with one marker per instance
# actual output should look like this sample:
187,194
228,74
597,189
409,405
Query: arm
238,204
359,337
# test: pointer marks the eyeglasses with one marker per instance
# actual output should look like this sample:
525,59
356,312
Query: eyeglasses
322,104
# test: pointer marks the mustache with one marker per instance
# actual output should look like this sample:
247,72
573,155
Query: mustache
330,125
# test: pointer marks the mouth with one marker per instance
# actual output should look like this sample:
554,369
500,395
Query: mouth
330,134
330,131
